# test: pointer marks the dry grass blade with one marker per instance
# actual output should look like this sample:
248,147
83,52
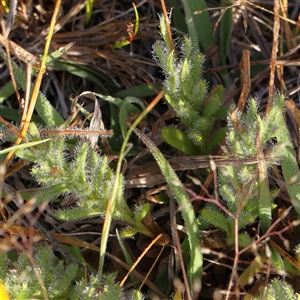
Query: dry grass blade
185,163
245,79
276,27
20,52
76,131
14,83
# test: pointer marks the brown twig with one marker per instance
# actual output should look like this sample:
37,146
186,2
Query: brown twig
245,79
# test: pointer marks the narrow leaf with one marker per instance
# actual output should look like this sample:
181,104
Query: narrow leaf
23,146
196,262
179,140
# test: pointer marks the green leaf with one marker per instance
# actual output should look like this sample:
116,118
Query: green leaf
217,139
244,240
164,34
78,165
179,140
277,260
58,53
141,211
225,31
186,78
290,168
188,214
6,91
127,258
199,26
33,132
126,109
256,265
13,115
23,146
265,204
51,192
216,219
89,10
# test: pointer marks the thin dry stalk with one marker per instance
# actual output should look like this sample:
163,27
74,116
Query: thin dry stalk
4,41
276,27
168,22
177,248
38,82
140,258
237,253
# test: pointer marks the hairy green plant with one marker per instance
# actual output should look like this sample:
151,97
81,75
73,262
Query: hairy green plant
104,289
58,280
22,281
277,289
245,188
186,90
84,174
